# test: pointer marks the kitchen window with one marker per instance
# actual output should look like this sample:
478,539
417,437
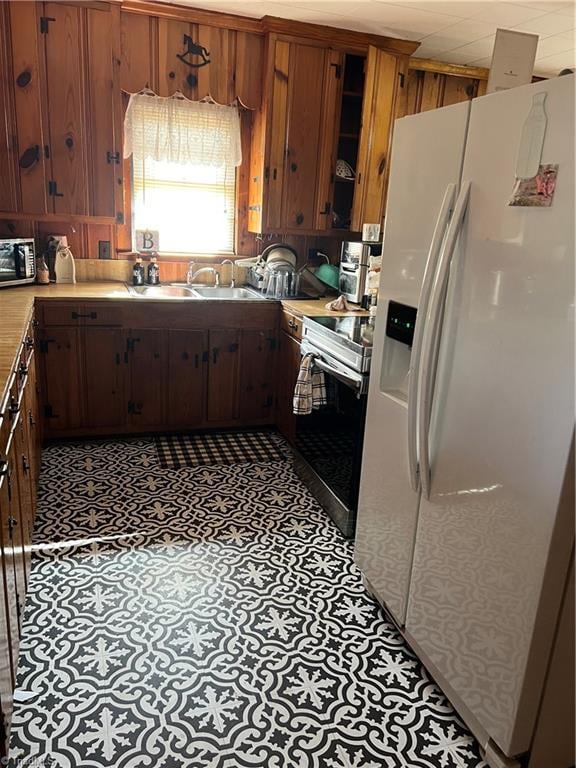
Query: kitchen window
184,159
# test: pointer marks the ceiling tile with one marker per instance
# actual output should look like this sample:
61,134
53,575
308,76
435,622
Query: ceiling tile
549,24
486,62
396,15
476,50
551,45
459,34
552,65
507,14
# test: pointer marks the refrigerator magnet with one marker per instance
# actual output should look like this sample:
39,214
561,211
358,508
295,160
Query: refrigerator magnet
537,192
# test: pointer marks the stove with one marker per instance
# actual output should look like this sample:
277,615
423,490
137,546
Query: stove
347,339
329,440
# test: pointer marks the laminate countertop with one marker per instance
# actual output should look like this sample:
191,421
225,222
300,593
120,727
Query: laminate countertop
16,306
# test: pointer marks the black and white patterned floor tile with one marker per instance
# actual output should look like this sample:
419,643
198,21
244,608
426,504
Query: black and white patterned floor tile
210,618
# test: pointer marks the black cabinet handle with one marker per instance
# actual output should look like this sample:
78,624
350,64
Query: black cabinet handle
89,316
25,464
274,174
196,360
215,355
381,166
29,343
293,167
300,219
31,419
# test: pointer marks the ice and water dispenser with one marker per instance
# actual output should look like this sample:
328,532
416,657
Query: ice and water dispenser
400,323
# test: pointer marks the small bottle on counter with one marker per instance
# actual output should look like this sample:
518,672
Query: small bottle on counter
138,272
153,272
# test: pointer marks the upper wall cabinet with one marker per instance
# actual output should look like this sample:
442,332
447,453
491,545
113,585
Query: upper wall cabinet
321,139
199,60
63,140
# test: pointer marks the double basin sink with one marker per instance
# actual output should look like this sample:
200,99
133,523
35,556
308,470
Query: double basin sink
195,292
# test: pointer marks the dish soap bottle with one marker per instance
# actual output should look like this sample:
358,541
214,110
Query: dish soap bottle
138,272
153,272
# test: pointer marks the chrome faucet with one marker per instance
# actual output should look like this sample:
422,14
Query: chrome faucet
191,275
232,280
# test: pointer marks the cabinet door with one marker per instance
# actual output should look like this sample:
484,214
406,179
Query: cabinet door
276,133
287,373
63,381
328,144
105,372
23,476
64,80
9,192
306,82
29,106
30,413
223,376
148,366
377,117
256,391
8,607
103,101
187,369
15,536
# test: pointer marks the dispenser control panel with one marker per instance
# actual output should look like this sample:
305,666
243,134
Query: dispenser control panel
400,322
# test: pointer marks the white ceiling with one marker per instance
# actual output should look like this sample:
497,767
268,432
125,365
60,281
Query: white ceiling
456,31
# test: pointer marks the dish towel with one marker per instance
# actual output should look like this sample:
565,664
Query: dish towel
310,390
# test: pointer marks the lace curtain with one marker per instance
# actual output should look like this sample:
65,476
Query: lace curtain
176,130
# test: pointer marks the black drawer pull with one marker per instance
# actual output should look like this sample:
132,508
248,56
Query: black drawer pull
89,316
25,464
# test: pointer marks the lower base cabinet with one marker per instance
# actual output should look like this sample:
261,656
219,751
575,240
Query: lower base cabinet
187,375
19,468
288,367
112,373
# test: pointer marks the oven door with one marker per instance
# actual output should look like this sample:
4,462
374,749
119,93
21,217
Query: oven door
330,439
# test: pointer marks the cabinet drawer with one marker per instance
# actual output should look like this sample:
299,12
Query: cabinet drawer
82,314
291,324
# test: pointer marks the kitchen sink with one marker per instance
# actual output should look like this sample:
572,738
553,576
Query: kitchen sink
163,291
228,292
196,292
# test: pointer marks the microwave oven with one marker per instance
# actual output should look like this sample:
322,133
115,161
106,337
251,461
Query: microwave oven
17,261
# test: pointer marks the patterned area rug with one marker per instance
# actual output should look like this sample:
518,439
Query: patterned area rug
210,618
176,451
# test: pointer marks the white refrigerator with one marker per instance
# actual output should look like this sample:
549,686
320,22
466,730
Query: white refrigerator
465,525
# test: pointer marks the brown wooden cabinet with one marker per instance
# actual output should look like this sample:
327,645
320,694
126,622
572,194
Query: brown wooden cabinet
187,370
257,375
114,368
103,351
148,364
17,504
63,135
288,367
62,378
321,105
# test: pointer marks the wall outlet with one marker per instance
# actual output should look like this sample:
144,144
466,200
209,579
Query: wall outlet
104,251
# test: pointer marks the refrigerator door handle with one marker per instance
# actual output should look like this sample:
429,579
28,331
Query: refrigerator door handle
431,336
429,272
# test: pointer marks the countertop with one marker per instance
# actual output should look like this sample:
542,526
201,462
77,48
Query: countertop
16,306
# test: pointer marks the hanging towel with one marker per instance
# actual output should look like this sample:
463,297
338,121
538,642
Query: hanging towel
310,390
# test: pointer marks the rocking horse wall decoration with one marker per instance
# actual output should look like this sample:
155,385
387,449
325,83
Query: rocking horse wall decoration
193,49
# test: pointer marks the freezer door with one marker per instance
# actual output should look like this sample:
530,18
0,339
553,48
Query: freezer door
494,537
427,156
